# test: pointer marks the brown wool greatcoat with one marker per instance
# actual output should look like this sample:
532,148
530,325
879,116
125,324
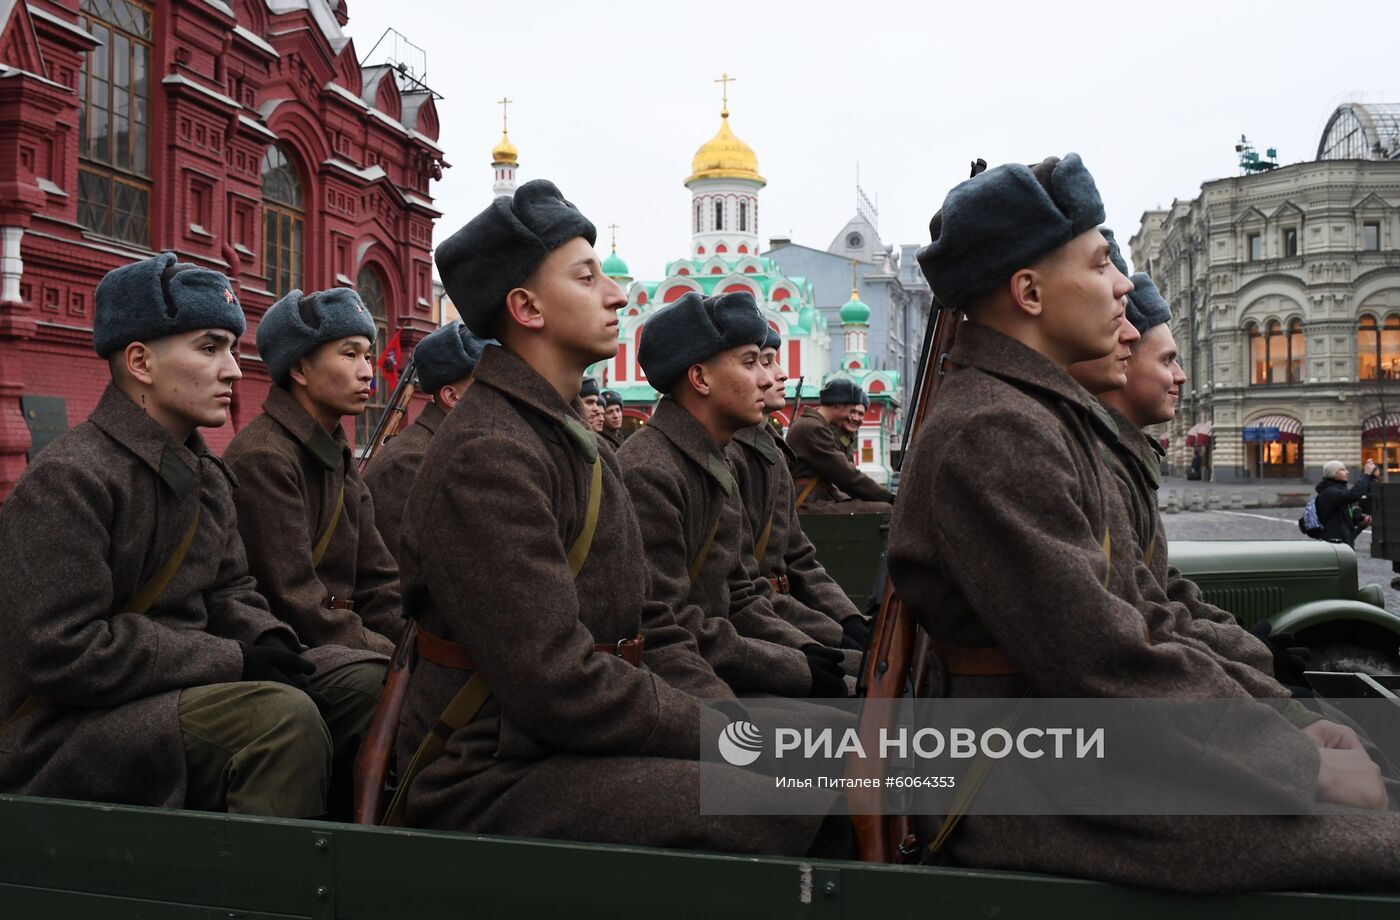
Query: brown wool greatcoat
684,490
92,519
291,471
814,601
614,436
391,473
572,744
817,452
1035,567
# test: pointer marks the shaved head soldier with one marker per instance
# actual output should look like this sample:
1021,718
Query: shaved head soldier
444,361
1034,584
141,664
826,479
703,354
584,726
803,593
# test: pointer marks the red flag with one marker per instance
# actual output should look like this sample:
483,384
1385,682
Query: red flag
391,360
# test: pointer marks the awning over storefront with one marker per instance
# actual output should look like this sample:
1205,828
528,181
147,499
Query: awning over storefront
1282,428
1198,435
1378,427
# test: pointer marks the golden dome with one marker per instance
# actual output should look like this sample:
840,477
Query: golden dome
504,153
724,156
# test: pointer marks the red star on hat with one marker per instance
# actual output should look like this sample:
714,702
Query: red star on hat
228,295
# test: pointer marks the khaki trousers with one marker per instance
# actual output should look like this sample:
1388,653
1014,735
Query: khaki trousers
263,748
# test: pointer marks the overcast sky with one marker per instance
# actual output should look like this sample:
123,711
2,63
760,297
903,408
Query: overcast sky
612,99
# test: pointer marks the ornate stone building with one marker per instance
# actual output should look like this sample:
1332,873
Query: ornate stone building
244,135
1285,294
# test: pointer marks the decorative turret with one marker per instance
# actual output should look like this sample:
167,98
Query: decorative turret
613,266
724,184
855,329
504,159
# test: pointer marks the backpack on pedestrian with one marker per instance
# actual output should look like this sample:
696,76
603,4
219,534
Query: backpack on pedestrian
1309,523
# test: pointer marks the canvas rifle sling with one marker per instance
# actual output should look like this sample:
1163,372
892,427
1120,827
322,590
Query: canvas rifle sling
761,547
806,491
474,693
140,603
318,552
698,562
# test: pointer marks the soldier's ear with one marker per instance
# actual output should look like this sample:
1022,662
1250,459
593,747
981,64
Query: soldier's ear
522,309
1026,292
699,379
136,362
297,372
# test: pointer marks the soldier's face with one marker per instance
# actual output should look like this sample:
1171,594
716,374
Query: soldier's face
576,303
855,418
775,397
739,384
1109,373
192,378
590,403
1080,296
338,376
1154,378
595,418
612,417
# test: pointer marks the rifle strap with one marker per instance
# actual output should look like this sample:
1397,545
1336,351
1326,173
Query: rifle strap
474,693
140,603
806,492
698,562
968,790
318,552
761,547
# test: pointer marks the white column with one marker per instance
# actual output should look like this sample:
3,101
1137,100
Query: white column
11,264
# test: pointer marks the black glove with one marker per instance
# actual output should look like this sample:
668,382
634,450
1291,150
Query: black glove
261,662
1290,658
272,639
855,634
828,680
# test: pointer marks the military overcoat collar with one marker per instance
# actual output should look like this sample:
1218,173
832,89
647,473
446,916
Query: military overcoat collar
761,440
1002,356
690,437
1142,446
177,464
330,450
502,369
431,417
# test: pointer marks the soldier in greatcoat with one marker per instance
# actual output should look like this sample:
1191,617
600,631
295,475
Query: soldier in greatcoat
592,399
703,355
612,418
592,727
825,477
444,362
141,664
803,593
1017,248
306,515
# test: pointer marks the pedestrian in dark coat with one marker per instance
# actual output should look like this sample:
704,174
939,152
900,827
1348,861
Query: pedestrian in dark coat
118,684
704,355
300,483
573,743
1073,621
1342,521
444,362
820,458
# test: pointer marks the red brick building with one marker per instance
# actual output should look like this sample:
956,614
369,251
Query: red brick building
242,135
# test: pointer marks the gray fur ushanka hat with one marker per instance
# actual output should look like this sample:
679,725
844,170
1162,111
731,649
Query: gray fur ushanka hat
841,392
589,387
298,323
1115,255
1003,220
772,339
694,329
446,355
611,398
1146,306
159,297
502,246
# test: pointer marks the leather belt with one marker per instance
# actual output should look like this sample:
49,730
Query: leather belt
338,603
781,584
451,655
975,660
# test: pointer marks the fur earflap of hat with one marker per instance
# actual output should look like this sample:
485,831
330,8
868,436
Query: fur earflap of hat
694,329
1146,306
1003,220
502,246
299,323
446,355
160,297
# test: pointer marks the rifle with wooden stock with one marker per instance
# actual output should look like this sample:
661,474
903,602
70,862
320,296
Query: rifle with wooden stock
898,658
372,761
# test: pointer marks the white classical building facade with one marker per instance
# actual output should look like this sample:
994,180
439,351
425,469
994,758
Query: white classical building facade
1285,293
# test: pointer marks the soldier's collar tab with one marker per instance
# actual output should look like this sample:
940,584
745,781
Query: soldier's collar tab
283,408
176,472
719,471
584,437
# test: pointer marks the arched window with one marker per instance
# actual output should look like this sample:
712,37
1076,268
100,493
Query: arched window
743,216
1295,351
1276,356
719,214
1368,349
284,222
371,287
698,210
1387,349
114,97
1258,355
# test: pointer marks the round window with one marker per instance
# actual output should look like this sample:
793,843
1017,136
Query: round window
854,241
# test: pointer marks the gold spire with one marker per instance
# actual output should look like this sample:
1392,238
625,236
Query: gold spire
724,156
504,153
